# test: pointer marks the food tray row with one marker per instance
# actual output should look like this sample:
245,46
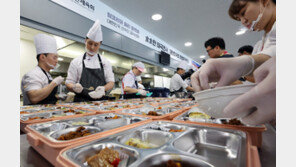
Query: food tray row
161,143
50,137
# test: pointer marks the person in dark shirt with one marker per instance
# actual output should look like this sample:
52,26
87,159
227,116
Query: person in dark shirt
216,48
245,50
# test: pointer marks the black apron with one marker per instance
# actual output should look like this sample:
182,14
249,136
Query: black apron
51,98
133,95
90,78
179,90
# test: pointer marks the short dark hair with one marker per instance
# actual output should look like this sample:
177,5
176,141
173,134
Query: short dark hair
179,69
41,54
216,41
237,5
246,48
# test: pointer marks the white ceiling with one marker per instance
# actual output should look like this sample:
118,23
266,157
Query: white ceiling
186,20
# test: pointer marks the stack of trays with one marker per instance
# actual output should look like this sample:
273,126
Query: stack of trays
156,143
38,116
51,137
200,119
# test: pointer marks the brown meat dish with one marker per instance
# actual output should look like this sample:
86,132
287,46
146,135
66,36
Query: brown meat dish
232,122
176,130
153,113
172,163
80,132
106,158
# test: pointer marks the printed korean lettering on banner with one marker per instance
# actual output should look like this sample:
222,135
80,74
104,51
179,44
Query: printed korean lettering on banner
94,9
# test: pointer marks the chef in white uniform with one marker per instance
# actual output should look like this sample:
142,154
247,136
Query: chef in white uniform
139,80
130,87
90,75
38,87
177,84
267,46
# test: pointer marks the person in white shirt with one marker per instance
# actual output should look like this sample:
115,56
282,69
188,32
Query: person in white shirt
37,86
90,74
256,15
139,80
177,84
130,87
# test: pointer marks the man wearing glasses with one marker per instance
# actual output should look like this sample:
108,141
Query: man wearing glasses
216,48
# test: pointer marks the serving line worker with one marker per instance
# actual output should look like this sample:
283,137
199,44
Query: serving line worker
177,84
256,15
37,86
130,87
90,74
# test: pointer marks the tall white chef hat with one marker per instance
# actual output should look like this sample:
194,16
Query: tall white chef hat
45,44
95,32
183,64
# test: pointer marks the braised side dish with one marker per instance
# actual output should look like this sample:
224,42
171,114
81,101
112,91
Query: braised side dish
105,158
115,117
33,118
153,113
80,132
232,122
172,163
176,130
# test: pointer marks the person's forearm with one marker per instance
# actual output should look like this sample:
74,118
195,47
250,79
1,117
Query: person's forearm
189,88
130,90
36,96
109,86
70,87
259,59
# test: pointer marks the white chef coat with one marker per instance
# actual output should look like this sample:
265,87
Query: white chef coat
33,80
269,47
129,80
75,68
141,86
177,82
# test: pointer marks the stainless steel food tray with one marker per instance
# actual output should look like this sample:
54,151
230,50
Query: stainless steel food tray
94,123
145,110
185,117
52,113
195,146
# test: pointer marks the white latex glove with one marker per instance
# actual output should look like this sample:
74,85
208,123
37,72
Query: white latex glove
96,94
262,97
100,88
77,88
142,92
58,80
223,70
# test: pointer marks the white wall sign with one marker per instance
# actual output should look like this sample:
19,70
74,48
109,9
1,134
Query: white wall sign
94,9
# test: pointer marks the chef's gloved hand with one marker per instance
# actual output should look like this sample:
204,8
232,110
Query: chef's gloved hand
96,94
142,92
58,80
261,99
224,71
100,89
77,88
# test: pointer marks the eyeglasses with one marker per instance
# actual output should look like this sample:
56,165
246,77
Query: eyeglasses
209,50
